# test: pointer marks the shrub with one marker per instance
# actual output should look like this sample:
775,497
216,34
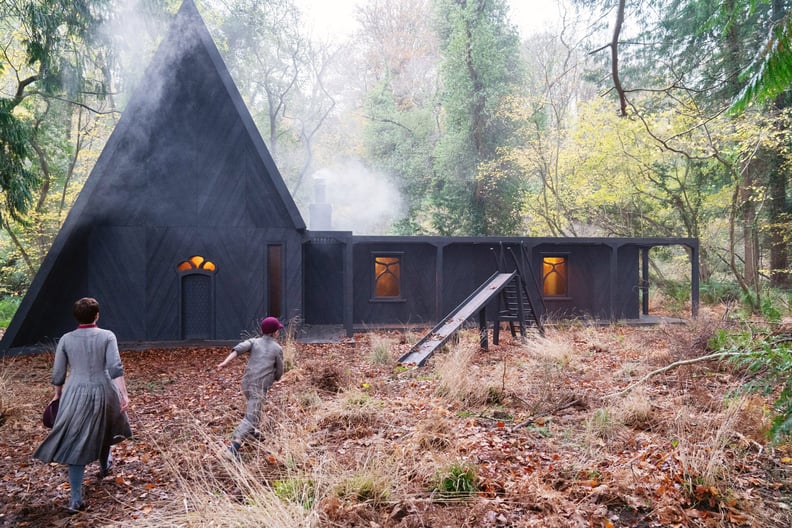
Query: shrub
380,353
769,359
717,292
8,307
365,487
458,480
296,490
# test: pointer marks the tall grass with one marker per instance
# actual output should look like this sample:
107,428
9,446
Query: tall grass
289,344
457,378
380,349
217,491
282,488
6,393
701,448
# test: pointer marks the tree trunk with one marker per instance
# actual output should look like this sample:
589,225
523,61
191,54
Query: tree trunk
778,212
748,208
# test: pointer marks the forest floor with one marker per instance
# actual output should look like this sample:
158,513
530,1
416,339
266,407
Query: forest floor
525,434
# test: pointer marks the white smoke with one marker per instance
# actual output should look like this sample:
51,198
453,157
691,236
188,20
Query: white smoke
363,202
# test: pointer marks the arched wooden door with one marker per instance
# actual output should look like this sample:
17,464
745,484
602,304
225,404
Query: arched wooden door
196,298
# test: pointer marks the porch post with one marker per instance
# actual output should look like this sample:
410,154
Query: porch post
645,280
349,283
438,300
483,339
694,279
614,263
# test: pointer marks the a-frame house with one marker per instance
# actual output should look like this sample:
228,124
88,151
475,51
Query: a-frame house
185,215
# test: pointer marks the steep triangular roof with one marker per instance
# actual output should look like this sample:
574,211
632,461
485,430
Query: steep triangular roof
185,152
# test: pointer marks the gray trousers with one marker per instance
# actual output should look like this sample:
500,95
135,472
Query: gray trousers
255,400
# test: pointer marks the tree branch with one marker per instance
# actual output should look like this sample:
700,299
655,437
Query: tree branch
614,45
701,359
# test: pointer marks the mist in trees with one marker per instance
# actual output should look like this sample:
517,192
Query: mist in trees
618,121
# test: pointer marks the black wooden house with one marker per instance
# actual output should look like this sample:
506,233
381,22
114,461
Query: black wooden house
186,231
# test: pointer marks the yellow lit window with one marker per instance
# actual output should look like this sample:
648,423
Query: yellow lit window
554,276
387,276
196,262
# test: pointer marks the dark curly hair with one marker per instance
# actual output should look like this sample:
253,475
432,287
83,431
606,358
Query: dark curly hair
85,310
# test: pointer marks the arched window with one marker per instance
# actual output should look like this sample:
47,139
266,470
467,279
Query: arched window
196,262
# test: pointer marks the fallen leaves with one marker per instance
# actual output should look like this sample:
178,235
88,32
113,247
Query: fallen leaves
539,474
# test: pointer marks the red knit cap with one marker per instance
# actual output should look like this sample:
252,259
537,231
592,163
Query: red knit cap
269,325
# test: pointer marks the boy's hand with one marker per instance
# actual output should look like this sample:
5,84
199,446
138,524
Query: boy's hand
228,359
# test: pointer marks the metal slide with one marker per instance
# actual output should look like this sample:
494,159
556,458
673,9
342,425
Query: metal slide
477,300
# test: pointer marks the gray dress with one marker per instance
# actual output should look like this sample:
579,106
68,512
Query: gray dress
89,416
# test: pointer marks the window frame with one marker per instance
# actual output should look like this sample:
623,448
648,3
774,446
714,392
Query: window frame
399,255
556,255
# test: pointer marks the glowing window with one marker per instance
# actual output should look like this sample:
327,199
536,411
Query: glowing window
196,262
554,276
387,276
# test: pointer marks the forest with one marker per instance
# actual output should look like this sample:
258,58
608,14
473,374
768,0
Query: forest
624,118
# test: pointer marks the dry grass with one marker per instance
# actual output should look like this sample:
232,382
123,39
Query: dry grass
281,482
381,347
7,395
218,491
553,351
289,344
354,412
457,376
702,441
549,362
635,410
351,444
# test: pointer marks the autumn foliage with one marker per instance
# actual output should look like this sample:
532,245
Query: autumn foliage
525,434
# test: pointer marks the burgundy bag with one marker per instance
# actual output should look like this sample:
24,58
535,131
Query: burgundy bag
50,412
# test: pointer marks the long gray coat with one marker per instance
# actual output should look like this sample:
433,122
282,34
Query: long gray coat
89,415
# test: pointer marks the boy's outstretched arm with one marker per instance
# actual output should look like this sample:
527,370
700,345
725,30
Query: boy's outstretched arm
228,359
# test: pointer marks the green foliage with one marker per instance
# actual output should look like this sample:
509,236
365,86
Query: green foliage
55,69
399,140
769,303
769,360
771,71
769,309
678,291
717,292
458,480
475,192
16,180
368,486
297,490
8,307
